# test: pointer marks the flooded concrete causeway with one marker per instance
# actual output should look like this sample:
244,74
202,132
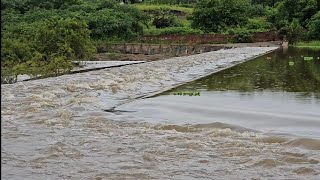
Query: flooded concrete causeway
56,128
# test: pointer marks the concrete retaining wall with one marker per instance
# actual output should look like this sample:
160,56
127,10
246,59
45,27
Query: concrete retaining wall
173,49
151,49
208,38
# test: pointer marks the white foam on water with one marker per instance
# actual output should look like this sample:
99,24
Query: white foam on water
56,128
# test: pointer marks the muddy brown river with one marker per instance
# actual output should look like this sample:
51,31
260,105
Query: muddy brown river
256,120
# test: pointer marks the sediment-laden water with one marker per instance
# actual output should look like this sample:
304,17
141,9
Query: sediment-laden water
57,128
276,96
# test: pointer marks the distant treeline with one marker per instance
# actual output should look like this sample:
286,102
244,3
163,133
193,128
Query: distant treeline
43,36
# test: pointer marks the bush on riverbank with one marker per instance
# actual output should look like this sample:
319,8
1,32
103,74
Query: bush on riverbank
314,27
45,47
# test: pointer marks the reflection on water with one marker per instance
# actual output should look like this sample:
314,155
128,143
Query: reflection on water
278,71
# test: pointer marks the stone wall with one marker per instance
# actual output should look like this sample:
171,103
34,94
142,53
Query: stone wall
209,38
151,49
174,49
183,44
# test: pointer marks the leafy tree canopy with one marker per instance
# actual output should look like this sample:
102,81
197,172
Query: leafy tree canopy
217,15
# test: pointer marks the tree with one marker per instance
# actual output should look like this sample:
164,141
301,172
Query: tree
51,4
295,32
314,27
292,18
164,19
120,22
65,37
217,15
302,10
46,47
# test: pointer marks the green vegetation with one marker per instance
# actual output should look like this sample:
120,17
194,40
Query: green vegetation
242,36
258,24
43,37
163,18
295,18
310,44
44,47
167,19
217,15
155,7
173,30
314,26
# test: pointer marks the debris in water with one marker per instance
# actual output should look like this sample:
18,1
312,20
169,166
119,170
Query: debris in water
308,58
187,93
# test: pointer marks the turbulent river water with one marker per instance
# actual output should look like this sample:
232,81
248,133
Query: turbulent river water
256,120
276,95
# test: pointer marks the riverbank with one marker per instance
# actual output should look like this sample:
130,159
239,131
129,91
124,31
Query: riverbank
310,44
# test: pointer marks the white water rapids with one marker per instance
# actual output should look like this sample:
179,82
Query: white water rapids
56,128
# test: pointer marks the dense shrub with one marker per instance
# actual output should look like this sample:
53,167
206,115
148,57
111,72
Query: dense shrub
257,10
218,15
292,18
288,10
258,24
173,30
108,23
296,32
161,1
163,18
44,47
241,36
314,27
265,2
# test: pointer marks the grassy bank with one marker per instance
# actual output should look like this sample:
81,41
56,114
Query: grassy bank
310,44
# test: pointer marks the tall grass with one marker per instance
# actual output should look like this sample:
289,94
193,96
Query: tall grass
310,44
